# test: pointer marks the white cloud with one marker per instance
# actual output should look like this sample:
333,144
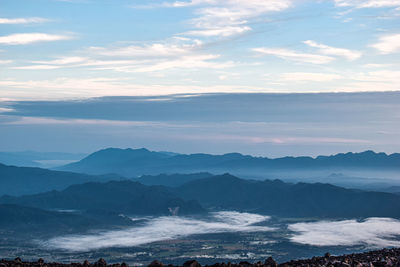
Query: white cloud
28,38
22,20
37,67
367,3
388,76
220,31
382,80
5,61
230,17
5,109
63,61
376,65
309,77
68,88
373,232
388,44
181,47
188,62
334,51
54,64
162,228
182,53
294,55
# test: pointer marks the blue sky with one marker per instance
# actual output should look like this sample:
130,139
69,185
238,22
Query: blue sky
67,49
60,60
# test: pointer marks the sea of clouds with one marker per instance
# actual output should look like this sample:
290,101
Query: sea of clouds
371,233
162,228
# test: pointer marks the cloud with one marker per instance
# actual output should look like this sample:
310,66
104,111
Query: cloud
367,3
334,51
71,88
172,49
63,61
380,80
22,20
176,54
24,120
271,140
28,38
221,31
227,18
388,44
5,109
5,61
309,77
294,55
376,65
37,67
373,232
387,76
162,228
54,64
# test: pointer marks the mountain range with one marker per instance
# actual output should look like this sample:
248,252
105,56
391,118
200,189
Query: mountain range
113,197
29,180
220,192
38,159
137,162
19,219
274,197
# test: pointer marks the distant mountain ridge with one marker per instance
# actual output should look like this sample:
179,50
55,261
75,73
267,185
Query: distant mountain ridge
113,197
29,180
215,193
274,197
171,180
28,219
137,162
37,159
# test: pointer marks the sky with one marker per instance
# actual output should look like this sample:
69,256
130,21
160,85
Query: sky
79,75
57,49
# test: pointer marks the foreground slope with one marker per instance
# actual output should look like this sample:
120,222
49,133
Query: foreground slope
384,257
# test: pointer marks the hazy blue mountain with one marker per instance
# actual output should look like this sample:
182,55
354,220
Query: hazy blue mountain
24,220
274,197
172,180
38,159
125,197
391,189
27,180
28,219
137,162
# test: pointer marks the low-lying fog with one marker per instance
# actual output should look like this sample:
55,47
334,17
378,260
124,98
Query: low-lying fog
152,229
372,232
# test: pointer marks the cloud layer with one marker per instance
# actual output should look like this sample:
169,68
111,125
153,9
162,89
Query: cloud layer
162,228
373,232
